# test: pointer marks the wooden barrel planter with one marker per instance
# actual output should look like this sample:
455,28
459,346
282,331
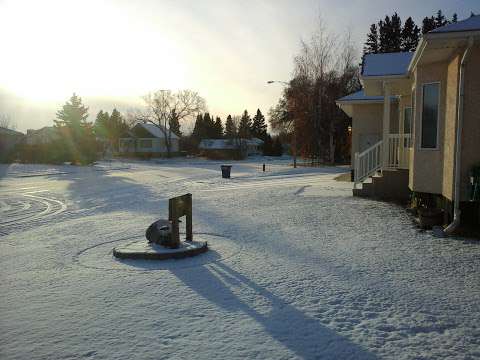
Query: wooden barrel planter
430,217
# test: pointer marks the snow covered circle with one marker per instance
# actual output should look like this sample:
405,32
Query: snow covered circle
100,256
142,249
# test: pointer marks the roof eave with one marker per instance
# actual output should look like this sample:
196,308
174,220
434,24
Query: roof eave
358,102
384,77
426,38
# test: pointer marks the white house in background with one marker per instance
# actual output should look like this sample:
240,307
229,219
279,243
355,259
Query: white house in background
42,136
230,148
148,139
254,146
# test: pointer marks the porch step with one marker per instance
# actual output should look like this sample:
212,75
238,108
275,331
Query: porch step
391,185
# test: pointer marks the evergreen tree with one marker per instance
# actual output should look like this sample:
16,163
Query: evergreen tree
174,124
268,146
259,126
428,24
218,126
101,124
454,18
76,133
472,14
209,126
73,116
245,126
116,127
230,129
396,33
410,35
390,30
440,19
199,129
277,147
371,45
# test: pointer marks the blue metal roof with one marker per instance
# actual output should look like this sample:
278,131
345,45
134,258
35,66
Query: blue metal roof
386,64
470,24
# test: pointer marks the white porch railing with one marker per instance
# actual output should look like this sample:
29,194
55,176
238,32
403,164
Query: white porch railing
398,151
368,162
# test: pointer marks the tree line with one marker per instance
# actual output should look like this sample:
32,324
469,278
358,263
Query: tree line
235,128
391,35
79,141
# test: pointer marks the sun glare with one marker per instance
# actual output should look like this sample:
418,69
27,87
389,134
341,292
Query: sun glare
92,48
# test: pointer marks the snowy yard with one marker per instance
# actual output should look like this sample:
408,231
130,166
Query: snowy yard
298,268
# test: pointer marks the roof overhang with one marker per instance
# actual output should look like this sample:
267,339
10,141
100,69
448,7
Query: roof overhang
375,85
436,47
348,106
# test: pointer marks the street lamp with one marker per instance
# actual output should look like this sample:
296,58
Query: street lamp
294,140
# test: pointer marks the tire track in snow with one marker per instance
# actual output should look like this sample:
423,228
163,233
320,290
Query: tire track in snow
19,212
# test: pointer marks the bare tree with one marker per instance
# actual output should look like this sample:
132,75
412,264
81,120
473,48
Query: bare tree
165,106
325,69
7,122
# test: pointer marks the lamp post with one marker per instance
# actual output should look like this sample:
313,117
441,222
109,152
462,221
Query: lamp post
294,140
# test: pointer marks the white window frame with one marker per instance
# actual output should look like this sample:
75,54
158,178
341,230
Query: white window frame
437,147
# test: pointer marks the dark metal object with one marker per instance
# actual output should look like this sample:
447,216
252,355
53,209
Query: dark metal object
226,171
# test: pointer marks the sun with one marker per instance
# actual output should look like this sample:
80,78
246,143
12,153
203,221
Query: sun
58,47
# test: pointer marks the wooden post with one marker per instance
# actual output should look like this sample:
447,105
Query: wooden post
177,207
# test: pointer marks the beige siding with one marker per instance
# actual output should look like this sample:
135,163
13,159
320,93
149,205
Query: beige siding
427,165
367,120
451,107
471,120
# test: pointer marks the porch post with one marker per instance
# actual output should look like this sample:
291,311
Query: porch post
401,128
386,122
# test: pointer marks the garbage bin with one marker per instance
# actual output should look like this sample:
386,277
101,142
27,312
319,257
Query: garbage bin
226,171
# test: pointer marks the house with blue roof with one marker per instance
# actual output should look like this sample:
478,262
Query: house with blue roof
416,123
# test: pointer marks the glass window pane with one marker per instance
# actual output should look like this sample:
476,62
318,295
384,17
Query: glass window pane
430,115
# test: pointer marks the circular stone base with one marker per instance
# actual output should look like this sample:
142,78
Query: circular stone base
151,251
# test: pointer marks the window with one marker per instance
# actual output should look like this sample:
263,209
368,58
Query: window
145,143
430,115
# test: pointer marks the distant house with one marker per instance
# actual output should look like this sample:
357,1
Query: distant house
8,140
42,136
230,148
147,140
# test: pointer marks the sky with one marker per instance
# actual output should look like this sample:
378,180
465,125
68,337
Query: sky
114,51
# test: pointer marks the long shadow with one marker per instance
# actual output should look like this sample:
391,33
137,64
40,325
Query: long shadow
3,170
303,335
96,192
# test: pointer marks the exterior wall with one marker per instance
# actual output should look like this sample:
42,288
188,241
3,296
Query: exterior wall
43,136
367,120
8,140
427,164
158,146
451,107
471,120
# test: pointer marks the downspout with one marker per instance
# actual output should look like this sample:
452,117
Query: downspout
458,148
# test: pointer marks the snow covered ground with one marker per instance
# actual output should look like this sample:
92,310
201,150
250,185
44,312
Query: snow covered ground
298,268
